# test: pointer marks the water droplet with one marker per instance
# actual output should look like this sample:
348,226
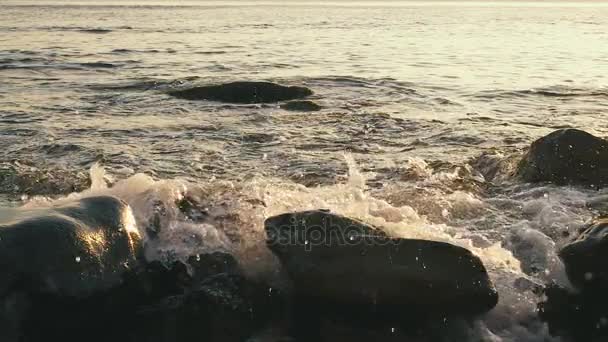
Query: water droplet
198,257
393,330
77,259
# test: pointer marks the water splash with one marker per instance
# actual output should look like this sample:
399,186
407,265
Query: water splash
179,219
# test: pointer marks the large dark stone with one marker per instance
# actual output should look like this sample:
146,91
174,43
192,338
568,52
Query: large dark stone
578,316
67,254
177,303
582,314
244,92
65,318
335,260
223,307
585,257
76,272
567,156
72,250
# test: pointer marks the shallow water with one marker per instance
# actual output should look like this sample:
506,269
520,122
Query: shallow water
413,94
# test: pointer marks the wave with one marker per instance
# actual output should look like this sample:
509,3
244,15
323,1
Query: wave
180,218
39,64
96,65
552,92
90,30
147,84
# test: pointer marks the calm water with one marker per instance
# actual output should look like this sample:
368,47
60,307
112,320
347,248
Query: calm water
412,93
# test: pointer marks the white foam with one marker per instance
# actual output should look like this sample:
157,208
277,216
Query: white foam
431,206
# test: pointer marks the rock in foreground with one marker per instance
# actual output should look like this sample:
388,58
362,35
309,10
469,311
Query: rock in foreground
334,259
244,92
77,272
223,307
72,250
567,156
581,314
585,256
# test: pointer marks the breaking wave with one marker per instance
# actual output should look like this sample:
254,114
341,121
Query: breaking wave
514,231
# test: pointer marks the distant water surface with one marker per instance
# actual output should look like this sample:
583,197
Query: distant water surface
83,81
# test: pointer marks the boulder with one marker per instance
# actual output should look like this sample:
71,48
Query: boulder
157,302
332,259
244,92
64,318
223,307
69,272
578,316
71,250
581,314
584,257
74,252
301,106
567,156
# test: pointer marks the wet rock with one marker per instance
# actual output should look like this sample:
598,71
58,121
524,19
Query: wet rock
301,106
567,156
584,257
73,250
207,265
103,316
581,314
18,178
244,92
77,271
211,301
356,268
223,307
578,316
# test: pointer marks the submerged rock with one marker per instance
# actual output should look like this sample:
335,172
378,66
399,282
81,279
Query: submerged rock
341,262
244,92
301,106
567,156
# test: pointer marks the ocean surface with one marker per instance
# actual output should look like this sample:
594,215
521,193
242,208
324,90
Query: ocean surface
426,108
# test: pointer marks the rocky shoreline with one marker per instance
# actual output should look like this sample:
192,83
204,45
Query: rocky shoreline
80,269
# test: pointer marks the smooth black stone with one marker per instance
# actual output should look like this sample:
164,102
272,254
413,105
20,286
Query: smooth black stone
244,92
73,250
326,254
